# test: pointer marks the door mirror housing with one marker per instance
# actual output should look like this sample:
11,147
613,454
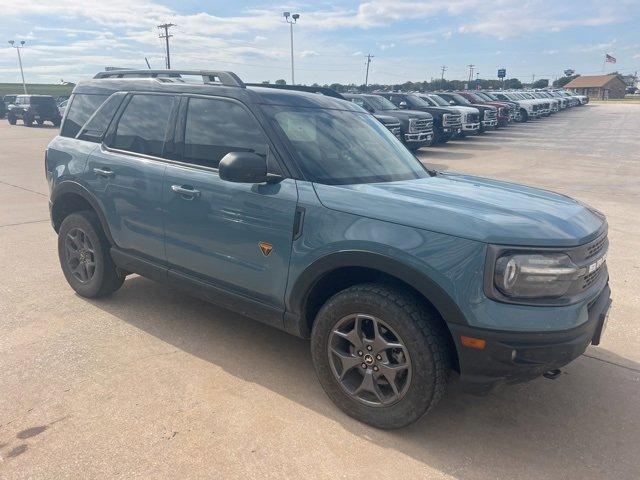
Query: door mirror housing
402,105
243,167
451,102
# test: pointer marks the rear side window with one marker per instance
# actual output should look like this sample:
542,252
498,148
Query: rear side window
96,126
143,125
81,108
217,127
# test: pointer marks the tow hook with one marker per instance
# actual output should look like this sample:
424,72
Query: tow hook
552,374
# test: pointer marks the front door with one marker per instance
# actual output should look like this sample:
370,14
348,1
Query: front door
236,237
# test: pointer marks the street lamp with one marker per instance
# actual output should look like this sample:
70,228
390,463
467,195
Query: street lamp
291,20
18,47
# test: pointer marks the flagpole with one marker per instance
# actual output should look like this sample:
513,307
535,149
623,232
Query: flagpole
604,62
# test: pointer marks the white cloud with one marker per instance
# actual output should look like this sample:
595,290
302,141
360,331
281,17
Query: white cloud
386,46
308,54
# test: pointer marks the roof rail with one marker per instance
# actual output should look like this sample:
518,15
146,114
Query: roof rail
208,76
328,92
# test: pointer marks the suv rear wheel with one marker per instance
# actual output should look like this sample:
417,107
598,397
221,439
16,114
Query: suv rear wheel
27,119
83,250
380,355
11,118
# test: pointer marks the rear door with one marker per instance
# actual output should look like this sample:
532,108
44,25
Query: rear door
126,172
234,236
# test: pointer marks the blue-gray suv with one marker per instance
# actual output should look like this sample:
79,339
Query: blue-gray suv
304,212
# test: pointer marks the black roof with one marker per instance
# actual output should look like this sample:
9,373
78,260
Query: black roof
248,94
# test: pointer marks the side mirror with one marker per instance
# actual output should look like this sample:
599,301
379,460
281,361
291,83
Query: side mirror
451,102
243,167
402,105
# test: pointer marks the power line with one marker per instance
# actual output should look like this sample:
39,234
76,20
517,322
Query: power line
166,36
470,72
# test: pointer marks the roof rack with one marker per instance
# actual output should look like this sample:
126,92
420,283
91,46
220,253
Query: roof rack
215,77
328,92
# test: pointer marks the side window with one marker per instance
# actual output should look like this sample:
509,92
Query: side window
358,101
143,125
96,126
214,128
81,107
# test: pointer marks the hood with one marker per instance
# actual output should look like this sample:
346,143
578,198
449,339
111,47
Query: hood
436,111
386,119
471,207
463,109
404,114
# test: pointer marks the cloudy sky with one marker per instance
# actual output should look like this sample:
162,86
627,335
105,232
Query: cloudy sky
71,39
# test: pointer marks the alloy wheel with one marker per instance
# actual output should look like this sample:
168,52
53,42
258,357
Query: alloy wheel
369,360
80,255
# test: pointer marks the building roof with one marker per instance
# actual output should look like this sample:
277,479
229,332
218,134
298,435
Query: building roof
590,81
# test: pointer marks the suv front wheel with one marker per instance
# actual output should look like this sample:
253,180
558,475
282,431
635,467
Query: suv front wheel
84,255
380,355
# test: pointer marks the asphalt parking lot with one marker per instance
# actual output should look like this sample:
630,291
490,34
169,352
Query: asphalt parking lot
150,383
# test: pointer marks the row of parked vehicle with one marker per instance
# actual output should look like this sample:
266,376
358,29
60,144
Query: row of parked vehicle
301,210
31,109
423,119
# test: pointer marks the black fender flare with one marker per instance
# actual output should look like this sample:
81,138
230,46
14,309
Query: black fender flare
69,186
299,293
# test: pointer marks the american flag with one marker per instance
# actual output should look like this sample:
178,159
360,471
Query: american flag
609,59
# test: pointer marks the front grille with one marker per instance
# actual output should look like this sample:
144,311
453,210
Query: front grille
394,129
490,114
451,119
423,126
590,279
472,118
595,248
502,112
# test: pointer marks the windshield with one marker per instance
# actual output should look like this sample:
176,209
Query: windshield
414,101
428,100
439,100
460,99
338,147
483,96
475,98
381,103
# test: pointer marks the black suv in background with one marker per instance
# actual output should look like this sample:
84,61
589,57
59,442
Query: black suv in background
34,108
446,121
416,127
488,114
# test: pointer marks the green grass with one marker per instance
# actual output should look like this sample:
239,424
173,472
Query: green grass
36,89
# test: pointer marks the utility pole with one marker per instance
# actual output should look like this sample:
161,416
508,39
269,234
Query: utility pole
470,73
443,68
366,78
18,47
291,20
533,78
166,36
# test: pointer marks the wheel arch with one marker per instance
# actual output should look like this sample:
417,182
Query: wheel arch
69,197
337,271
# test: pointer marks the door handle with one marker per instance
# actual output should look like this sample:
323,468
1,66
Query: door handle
104,172
186,193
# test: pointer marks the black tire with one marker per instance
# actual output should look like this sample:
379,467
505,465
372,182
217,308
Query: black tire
417,329
11,119
105,278
27,119
40,122
56,122
524,116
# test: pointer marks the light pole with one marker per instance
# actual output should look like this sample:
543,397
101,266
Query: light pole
18,47
291,20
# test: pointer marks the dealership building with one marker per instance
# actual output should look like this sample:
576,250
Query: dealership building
598,86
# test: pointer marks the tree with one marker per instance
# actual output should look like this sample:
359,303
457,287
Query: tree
512,83
281,81
266,82
561,82
542,83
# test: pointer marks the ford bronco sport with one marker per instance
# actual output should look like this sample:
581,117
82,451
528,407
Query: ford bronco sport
304,212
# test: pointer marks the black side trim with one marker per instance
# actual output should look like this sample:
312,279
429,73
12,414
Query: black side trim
199,288
68,186
298,295
298,222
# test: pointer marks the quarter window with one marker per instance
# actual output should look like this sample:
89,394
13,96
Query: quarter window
216,127
143,125
81,108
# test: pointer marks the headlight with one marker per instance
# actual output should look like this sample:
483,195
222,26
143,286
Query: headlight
535,275
412,125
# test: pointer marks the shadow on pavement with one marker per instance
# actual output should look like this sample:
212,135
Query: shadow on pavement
544,429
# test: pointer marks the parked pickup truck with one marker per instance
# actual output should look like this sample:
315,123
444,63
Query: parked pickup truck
502,109
416,126
488,114
470,117
304,212
446,121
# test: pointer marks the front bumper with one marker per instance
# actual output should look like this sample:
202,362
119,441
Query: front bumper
514,357
489,123
470,127
423,137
